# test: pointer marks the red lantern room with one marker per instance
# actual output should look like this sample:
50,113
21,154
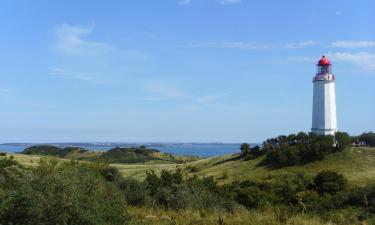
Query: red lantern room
323,66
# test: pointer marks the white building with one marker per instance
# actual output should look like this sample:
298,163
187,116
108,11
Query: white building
324,121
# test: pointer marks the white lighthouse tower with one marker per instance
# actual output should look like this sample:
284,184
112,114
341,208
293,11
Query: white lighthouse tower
324,121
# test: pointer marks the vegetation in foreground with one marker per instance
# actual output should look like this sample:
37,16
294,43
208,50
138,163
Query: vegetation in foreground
93,193
272,215
320,191
58,193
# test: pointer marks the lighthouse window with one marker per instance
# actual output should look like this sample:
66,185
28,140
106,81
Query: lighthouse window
323,69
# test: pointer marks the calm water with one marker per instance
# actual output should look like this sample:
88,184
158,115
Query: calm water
203,150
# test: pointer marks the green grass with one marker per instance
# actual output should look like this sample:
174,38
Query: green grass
357,164
26,160
266,216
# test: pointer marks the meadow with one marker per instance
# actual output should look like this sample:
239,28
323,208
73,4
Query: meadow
356,164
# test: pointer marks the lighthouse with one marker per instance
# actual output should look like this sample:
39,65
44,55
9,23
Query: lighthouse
324,121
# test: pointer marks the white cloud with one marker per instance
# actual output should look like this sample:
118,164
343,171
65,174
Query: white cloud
230,1
70,40
299,44
184,2
252,45
302,59
235,45
353,44
364,60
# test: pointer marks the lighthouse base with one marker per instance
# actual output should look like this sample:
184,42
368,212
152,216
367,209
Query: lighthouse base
323,131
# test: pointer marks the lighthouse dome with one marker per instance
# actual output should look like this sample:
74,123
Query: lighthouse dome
323,61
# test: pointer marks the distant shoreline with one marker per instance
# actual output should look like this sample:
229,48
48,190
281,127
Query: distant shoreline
194,149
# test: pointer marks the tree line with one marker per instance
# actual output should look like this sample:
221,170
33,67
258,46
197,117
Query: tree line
296,149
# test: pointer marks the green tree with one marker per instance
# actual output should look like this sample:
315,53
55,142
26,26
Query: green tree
368,138
245,149
343,140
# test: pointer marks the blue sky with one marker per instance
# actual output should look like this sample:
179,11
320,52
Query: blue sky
179,70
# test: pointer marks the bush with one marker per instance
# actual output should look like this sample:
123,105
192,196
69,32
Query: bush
172,190
367,138
363,197
329,182
286,188
245,149
343,140
7,162
251,197
52,193
135,191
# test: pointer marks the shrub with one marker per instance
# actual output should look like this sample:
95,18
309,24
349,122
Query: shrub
363,197
245,149
135,191
286,188
251,197
172,190
7,162
343,140
329,182
366,138
52,193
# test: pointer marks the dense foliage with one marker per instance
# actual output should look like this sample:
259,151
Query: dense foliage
92,193
96,193
329,182
245,149
67,193
52,150
116,155
298,148
129,155
366,138
321,194
171,190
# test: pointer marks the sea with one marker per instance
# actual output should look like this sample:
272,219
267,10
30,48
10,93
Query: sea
188,149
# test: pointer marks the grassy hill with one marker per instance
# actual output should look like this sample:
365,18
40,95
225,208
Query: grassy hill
356,163
142,155
76,153
116,155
